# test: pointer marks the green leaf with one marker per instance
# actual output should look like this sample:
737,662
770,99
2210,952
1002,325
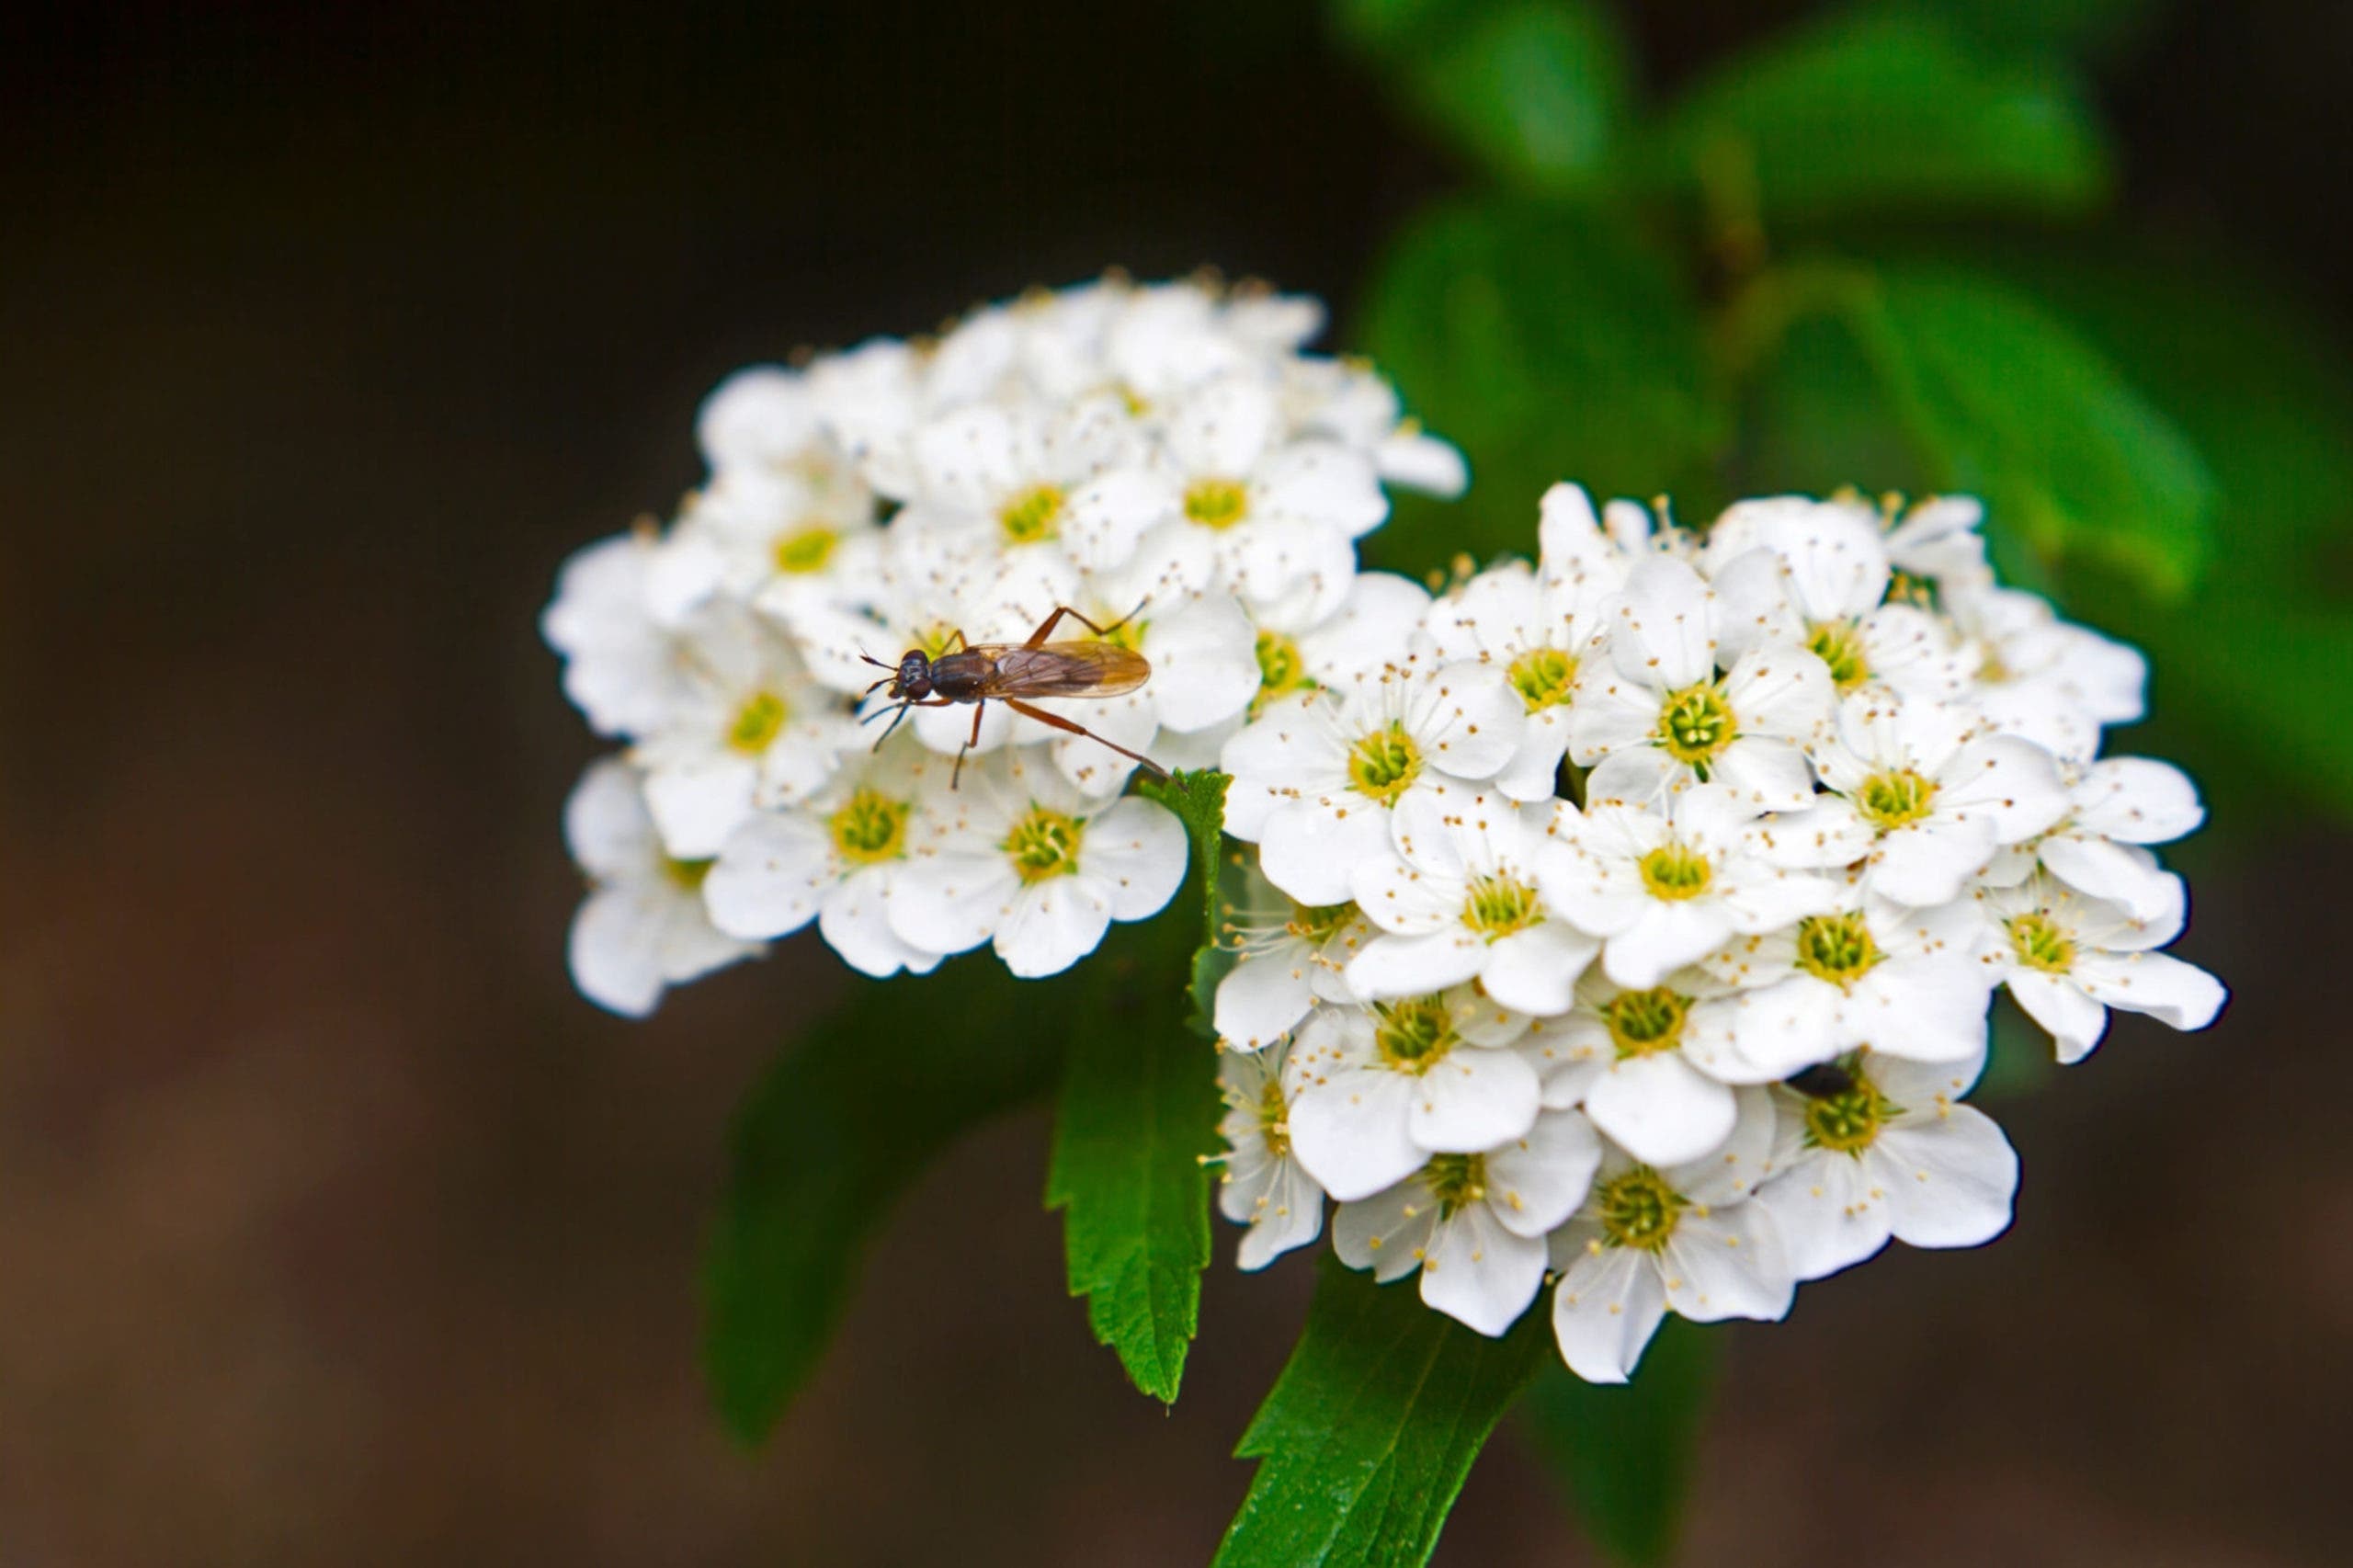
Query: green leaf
1371,1430
1625,1454
2096,29
1533,90
826,1143
1137,1112
2006,402
1550,344
1878,113
1199,800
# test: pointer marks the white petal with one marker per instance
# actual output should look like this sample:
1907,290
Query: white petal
1785,692
1831,1214
1307,849
1138,848
1320,483
1608,1304
1474,1100
1665,937
2012,781
1770,775
951,901
1923,865
697,804
2074,1020
1661,1109
1536,970
770,877
2179,996
612,952
1105,517
1729,1263
1665,637
1410,966
1262,997
1480,1273
1950,1179
855,923
1389,1233
2138,801
606,824
1220,430
1349,1131
1535,1183
1053,926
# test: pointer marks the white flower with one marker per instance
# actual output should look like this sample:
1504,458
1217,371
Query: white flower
1474,1224
1904,982
1349,401
760,424
1021,858
2068,958
1382,1088
642,926
621,668
1671,884
1261,1184
1656,716
1455,897
2116,806
1287,957
836,862
1618,1053
748,729
1539,625
1282,514
1925,796
1817,574
1682,1238
773,541
1315,777
1022,476
1872,1147
1936,541
2051,682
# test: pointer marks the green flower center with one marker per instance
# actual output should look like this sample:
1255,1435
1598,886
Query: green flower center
1676,871
1638,1210
1840,644
1274,1119
1895,798
1835,947
1456,1180
1216,503
1384,764
870,829
1645,1023
805,549
1904,588
1543,677
687,874
1696,722
1416,1034
1032,516
1043,845
757,723
1319,923
1501,904
2041,944
1848,1122
1281,668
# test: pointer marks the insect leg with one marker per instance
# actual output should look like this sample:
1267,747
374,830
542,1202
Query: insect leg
978,708
1059,723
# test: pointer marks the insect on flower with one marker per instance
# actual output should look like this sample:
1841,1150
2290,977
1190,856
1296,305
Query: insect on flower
981,672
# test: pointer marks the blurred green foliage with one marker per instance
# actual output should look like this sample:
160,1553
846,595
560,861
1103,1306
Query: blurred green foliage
1622,1454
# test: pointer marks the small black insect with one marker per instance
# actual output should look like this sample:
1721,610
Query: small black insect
1824,1081
981,672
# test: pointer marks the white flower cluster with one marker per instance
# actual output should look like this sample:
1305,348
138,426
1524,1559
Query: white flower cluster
1162,461
1630,921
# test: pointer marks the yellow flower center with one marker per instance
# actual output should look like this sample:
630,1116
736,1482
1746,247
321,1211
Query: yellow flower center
1319,923
1274,1119
1384,764
1676,871
1416,1034
1043,845
687,874
1895,798
1835,947
1543,677
1848,1122
1645,1023
1501,904
870,829
1281,668
757,722
1638,1210
1216,503
1840,644
1696,722
1032,516
805,549
1456,1180
2040,943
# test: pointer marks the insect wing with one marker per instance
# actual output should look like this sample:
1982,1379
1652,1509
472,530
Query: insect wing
1065,669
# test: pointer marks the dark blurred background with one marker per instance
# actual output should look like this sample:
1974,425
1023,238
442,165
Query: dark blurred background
334,1229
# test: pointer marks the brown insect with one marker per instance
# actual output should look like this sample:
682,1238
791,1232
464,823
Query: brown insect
981,672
